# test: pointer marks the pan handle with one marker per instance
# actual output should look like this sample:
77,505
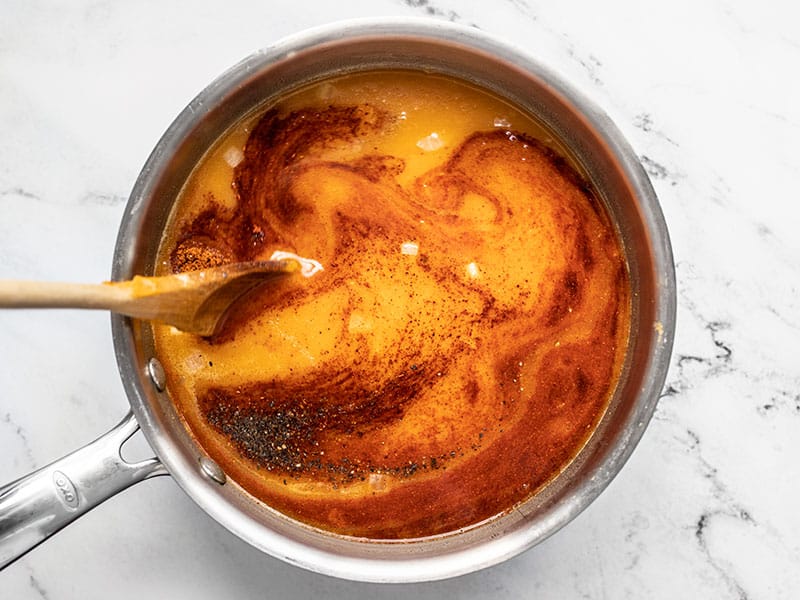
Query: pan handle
38,505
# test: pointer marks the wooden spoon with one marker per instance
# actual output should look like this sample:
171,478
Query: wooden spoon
195,301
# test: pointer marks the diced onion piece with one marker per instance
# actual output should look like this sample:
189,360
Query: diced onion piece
308,266
195,362
377,481
326,91
233,156
430,143
359,323
473,271
409,248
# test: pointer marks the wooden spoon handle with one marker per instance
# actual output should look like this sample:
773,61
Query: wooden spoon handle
47,294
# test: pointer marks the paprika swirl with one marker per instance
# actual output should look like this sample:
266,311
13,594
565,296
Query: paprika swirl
464,338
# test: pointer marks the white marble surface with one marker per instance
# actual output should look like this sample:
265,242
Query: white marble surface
708,95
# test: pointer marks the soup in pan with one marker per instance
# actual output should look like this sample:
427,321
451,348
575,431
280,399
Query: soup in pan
466,333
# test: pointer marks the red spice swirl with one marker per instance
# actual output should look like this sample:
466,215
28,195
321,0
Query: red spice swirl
457,381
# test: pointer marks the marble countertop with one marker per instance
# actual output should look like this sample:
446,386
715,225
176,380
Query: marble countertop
707,94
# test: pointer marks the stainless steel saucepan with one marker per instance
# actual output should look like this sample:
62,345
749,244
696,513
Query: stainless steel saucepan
34,507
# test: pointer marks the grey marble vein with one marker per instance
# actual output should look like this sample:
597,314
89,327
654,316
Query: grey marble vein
432,10
590,63
645,122
17,192
37,587
8,424
701,533
102,199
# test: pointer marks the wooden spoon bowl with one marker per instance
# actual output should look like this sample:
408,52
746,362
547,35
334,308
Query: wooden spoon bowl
195,301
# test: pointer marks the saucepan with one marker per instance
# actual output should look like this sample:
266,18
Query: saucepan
38,505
